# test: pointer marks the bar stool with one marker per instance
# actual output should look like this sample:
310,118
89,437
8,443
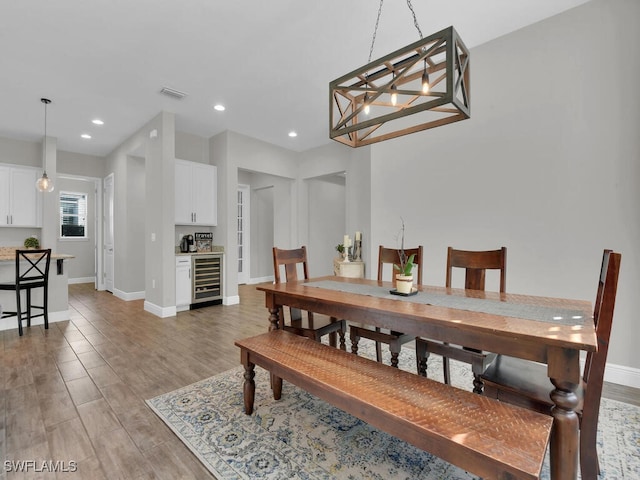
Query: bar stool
32,271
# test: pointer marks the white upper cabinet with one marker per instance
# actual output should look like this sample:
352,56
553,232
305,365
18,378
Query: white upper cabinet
20,201
196,193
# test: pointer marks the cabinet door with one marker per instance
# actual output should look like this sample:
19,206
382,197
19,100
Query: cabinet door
5,189
183,281
204,194
24,199
184,193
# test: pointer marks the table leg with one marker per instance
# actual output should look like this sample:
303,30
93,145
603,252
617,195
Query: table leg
565,433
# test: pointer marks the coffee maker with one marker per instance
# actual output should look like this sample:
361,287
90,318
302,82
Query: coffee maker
186,244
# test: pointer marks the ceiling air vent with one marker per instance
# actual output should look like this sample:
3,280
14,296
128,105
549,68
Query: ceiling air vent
170,92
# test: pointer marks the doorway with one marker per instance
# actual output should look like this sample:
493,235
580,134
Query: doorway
244,246
80,228
108,233
327,220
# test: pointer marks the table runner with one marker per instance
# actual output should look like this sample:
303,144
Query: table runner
540,313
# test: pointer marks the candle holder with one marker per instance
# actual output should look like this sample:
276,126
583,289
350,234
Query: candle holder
345,254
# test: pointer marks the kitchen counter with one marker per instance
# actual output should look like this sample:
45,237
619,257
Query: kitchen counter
216,249
54,256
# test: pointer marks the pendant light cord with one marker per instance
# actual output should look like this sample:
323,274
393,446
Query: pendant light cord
415,20
375,30
46,102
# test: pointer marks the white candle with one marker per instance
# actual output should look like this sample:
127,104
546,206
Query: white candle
357,236
347,241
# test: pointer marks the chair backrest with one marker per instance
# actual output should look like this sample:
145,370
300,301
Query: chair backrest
476,263
32,266
392,256
290,259
603,319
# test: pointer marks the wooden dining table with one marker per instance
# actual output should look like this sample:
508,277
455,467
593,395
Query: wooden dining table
552,331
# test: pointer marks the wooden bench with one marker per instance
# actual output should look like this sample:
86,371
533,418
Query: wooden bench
479,434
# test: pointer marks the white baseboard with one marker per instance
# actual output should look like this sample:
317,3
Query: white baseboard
162,312
128,296
232,300
82,280
253,281
622,375
11,322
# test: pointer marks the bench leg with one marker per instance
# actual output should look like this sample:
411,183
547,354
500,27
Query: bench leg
249,387
276,385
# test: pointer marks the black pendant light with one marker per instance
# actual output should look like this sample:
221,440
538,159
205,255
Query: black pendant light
44,183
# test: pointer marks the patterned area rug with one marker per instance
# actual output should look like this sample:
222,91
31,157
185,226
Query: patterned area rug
303,437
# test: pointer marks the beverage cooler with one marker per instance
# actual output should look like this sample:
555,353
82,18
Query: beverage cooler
207,279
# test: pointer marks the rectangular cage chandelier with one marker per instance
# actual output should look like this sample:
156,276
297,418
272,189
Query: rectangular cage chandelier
421,86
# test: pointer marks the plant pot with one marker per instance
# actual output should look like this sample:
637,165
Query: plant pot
404,283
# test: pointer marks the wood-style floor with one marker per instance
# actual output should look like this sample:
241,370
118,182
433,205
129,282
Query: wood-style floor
76,392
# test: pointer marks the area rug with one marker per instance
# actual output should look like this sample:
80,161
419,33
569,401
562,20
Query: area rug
303,437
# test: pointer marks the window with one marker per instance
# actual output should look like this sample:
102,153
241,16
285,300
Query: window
73,215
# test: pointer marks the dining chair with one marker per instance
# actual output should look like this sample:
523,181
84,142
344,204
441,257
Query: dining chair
32,271
311,325
526,383
475,264
395,340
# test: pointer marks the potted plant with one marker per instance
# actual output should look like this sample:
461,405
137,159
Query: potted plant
404,279
340,249
31,242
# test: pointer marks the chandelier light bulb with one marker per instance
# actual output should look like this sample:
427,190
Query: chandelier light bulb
366,104
394,95
44,183
425,79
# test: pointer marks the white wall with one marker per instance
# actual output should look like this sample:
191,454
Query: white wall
326,161
231,152
155,189
548,165
327,222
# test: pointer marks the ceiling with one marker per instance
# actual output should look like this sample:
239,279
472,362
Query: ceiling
269,62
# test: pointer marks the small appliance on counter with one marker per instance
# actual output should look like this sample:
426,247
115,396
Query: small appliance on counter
186,244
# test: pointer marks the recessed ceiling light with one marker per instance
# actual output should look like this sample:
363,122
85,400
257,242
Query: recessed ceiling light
219,107
86,136
293,134
97,121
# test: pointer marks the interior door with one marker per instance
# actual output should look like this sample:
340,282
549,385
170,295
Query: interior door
108,233
243,234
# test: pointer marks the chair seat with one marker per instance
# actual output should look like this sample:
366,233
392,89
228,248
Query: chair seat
524,383
321,324
394,339
381,334
478,359
23,285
